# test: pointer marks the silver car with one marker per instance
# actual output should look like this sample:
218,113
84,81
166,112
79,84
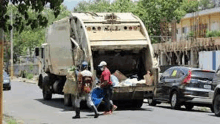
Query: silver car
6,81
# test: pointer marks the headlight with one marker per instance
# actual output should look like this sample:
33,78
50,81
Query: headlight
6,81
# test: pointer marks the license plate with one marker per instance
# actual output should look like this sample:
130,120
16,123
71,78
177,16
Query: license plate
207,86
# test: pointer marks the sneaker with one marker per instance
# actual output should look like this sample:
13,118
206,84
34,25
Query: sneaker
107,113
114,107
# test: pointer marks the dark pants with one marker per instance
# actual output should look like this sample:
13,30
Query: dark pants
108,96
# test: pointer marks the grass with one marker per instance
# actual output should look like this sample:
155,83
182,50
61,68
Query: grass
10,120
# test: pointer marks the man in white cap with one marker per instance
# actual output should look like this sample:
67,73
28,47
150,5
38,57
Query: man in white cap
106,84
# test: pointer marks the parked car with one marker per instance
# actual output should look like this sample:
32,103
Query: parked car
6,81
216,96
184,86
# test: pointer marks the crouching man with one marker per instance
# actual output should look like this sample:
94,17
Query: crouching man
84,80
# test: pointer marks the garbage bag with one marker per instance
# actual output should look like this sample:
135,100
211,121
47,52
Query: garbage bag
127,82
115,81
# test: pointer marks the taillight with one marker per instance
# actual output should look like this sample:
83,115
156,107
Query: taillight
187,79
130,28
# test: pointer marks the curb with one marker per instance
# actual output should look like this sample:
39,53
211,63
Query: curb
25,80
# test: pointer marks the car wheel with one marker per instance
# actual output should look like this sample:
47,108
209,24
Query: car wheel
67,100
189,106
174,101
217,105
151,102
212,109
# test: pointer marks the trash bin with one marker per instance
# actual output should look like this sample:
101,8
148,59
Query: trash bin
97,96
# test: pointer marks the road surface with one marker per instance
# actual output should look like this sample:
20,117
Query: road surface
24,102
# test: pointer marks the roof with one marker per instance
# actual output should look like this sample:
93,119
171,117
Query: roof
101,16
190,68
203,12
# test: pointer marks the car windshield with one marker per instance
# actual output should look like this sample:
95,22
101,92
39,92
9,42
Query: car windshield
203,74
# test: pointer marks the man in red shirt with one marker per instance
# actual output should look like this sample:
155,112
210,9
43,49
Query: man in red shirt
106,84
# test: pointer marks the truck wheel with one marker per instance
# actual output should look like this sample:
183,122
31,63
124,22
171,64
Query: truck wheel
174,101
47,95
137,103
216,105
189,106
67,100
151,102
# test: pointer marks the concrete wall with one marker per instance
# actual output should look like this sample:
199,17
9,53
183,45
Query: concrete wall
27,67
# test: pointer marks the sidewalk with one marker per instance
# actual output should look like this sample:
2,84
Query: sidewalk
32,81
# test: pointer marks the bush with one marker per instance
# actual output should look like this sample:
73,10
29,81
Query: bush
213,34
30,76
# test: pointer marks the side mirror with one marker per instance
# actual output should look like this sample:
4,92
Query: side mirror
36,51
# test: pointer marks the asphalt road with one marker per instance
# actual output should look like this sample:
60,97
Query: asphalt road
24,102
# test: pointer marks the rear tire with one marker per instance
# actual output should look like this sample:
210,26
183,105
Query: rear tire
137,103
67,100
151,102
47,95
174,100
216,105
189,107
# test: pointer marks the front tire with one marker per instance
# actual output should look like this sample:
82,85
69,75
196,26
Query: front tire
216,105
47,95
174,101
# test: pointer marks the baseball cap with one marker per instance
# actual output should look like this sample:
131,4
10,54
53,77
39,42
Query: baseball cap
102,63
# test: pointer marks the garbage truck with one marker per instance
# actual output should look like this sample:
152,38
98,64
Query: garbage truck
120,39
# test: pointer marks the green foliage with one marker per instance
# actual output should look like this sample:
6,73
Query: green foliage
213,33
22,7
29,38
30,76
206,4
31,67
191,34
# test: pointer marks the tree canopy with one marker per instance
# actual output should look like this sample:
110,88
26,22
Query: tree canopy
23,6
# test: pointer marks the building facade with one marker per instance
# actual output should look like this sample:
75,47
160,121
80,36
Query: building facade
198,23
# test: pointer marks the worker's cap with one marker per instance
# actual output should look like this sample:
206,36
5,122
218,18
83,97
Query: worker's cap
102,63
84,63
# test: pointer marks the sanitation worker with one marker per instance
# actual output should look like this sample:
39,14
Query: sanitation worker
106,84
84,79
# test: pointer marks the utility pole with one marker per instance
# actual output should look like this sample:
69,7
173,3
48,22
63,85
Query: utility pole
1,72
12,70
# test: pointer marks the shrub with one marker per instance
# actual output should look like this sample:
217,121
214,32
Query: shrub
30,76
213,34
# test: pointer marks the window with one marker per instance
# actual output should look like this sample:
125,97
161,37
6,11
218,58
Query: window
180,74
167,73
174,73
184,30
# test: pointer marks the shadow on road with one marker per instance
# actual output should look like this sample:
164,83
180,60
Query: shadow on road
182,109
213,115
55,102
